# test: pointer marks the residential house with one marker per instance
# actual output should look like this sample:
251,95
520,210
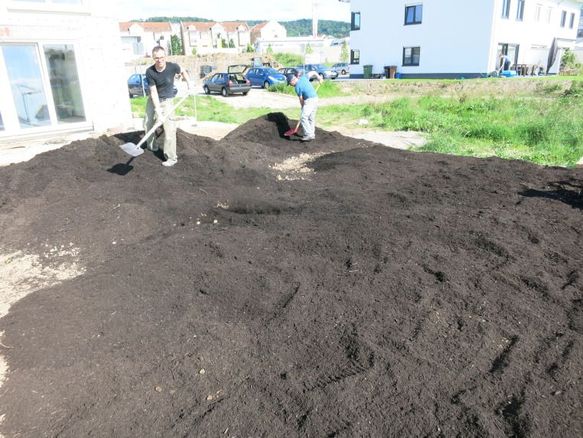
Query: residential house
238,34
212,37
313,49
268,30
460,38
62,69
139,37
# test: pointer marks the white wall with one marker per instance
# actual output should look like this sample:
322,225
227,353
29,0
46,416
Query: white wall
98,55
535,37
455,37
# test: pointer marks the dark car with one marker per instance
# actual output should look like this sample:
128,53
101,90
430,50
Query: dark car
138,85
324,71
226,84
265,76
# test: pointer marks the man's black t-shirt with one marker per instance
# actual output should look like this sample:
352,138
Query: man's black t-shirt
164,80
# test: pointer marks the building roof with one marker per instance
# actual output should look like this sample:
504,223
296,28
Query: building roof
259,26
232,26
148,26
201,26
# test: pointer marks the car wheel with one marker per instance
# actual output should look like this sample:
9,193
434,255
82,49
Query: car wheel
245,93
206,90
266,85
343,72
224,92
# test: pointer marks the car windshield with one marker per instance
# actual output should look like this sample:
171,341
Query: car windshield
271,71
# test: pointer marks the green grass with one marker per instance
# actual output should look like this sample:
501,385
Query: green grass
326,89
543,131
207,109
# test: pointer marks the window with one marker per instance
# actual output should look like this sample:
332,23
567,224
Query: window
1,123
549,15
44,87
62,66
413,14
26,84
505,8
563,18
572,21
537,12
520,10
355,56
411,56
355,21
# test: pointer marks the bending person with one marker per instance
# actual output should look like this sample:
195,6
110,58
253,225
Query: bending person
309,103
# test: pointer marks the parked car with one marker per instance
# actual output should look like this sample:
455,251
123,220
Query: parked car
342,68
226,84
138,85
289,71
265,76
324,71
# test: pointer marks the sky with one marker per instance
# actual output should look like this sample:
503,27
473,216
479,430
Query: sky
226,10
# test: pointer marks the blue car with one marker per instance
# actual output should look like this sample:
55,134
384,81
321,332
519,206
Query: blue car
265,77
138,85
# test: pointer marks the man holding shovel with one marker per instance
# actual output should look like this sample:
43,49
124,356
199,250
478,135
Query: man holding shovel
161,77
309,103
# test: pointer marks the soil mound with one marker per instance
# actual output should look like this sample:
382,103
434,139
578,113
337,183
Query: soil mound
268,287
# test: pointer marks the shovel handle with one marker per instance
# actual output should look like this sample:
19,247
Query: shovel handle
160,122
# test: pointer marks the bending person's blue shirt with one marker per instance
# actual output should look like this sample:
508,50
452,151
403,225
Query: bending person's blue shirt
304,88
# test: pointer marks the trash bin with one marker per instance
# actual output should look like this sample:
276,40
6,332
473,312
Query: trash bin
390,71
367,70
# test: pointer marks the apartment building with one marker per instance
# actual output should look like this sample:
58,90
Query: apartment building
460,38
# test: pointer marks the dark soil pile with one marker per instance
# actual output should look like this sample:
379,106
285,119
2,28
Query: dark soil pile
387,293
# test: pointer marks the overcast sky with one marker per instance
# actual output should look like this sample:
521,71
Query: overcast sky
225,10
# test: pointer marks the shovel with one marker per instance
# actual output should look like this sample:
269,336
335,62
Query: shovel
292,131
135,150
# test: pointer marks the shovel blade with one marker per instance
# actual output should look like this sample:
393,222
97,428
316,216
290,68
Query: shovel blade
133,149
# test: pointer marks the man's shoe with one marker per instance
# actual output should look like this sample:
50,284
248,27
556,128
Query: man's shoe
169,163
307,138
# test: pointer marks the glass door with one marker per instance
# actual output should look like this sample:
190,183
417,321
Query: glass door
65,86
26,83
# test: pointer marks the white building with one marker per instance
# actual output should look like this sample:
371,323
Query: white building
460,38
61,68
268,30
211,37
139,38
314,50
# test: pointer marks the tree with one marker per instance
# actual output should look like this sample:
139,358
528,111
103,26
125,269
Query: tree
250,48
309,49
223,43
344,55
269,50
231,44
175,45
